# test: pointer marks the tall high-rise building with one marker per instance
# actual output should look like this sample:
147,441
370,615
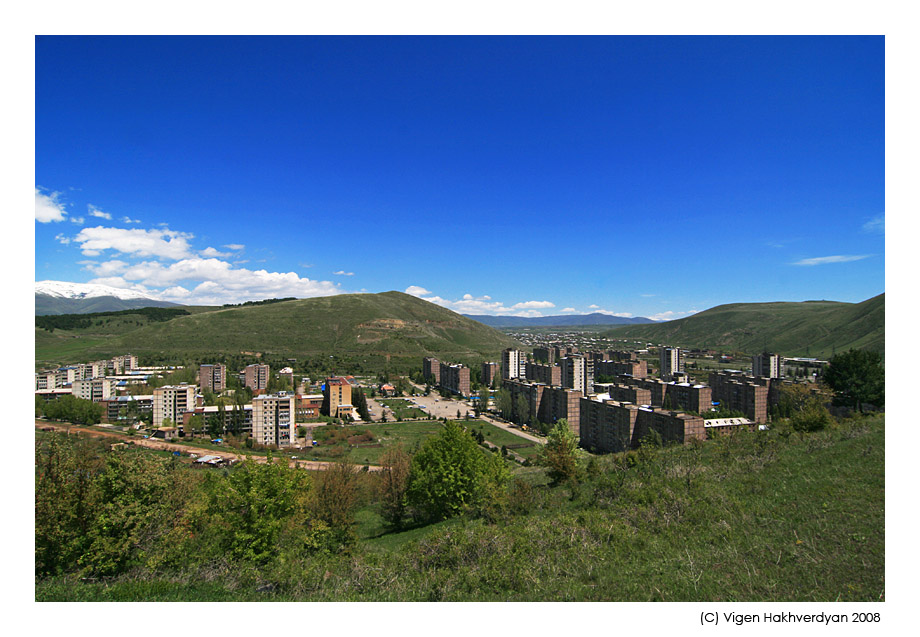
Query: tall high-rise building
256,377
671,361
212,377
513,362
575,373
273,417
171,401
768,365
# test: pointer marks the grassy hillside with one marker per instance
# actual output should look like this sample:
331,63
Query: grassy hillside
814,328
759,516
391,326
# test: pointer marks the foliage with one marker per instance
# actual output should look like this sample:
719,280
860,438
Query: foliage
857,377
450,475
77,321
69,408
334,500
359,402
559,453
393,482
812,416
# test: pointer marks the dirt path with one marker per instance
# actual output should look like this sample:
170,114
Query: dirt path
161,445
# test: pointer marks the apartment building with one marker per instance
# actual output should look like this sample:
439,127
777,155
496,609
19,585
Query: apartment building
696,398
490,372
431,370
172,401
455,378
229,413
95,389
608,426
256,377
671,361
635,368
273,419
122,364
513,364
575,373
624,393
739,392
212,378
542,402
546,355
542,373
337,397
767,365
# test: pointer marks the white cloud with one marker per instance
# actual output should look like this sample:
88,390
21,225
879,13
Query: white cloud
416,290
647,295
533,305
214,282
876,225
670,315
77,220
213,252
343,273
236,247
593,306
164,243
62,239
839,258
569,309
95,212
108,268
130,220
48,208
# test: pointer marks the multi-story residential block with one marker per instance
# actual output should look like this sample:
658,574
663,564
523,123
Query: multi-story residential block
243,412
635,368
273,419
95,389
256,377
337,398
122,364
767,365
455,378
212,377
542,373
117,408
671,361
172,401
45,381
545,355
513,364
689,397
575,373
737,392
489,373
431,369
64,376
624,393
612,426
541,402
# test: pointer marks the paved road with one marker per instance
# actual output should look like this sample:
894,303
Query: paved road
152,443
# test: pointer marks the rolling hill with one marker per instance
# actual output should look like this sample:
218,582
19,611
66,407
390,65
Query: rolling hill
62,297
393,327
809,328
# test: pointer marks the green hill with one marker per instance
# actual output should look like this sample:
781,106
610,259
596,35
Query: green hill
390,327
813,328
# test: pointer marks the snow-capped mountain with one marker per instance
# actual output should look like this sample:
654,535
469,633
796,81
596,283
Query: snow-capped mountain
63,297
67,290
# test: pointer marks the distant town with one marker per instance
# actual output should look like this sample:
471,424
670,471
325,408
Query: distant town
611,399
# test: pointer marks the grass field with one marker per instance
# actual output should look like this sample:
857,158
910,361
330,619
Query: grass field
750,517
402,408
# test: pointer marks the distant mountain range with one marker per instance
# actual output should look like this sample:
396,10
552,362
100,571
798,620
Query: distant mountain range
568,320
62,297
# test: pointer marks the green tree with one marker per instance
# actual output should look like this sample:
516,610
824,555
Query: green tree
393,482
335,499
559,454
857,377
450,475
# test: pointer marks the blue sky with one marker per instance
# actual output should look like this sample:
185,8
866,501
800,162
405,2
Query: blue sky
639,176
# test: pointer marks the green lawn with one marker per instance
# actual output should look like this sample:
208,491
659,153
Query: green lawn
403,408
500,437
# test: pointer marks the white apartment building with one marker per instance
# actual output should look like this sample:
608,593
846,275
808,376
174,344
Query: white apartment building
171,401
513,364
273,419
95,389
